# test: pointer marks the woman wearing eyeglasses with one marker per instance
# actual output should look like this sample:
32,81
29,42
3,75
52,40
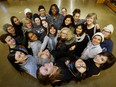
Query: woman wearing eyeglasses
107,44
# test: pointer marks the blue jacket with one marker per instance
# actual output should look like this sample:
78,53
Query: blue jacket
107,45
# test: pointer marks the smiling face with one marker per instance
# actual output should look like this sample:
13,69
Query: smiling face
16,21
32,37
96,40
79,30
42,12
52,30
28,24
37,21
106,33
76,17
64,12
20,57
45,54
64,34
11,30
68,21
100,59
89,20
29,15
54,10
80,65
47,69
45,24
10,41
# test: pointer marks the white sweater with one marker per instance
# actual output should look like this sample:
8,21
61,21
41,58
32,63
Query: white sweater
91,51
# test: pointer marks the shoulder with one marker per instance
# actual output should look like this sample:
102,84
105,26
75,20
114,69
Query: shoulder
93,70
60,16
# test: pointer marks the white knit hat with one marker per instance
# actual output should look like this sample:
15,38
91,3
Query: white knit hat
109,28
27,10
99,34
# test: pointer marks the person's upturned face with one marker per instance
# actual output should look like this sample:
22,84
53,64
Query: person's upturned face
52,30
45,24
29,24
16,21
47,68
96,40
37,21
99,59
68,21
53,10
11,30
76,17
10,41
42,12
64,34
78,30
80,65
106,33
29,15
64,12
20,57
89,20
32,37
45,54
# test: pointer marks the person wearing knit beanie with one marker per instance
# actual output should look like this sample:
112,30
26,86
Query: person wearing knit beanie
41,7
35,16
107,45
28,14
9,29
93,47
27,10
42,12
99,34
6,26
109,28
36,19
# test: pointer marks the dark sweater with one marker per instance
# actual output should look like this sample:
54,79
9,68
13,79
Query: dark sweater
107,45
92,68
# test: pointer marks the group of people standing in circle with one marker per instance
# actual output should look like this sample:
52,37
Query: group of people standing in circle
57,47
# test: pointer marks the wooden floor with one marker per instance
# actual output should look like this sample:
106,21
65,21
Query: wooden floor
9,77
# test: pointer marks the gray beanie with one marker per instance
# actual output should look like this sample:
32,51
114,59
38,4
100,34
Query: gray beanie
5,26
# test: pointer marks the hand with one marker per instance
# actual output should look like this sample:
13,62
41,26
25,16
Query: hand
59,32
39,53
97,26
72,48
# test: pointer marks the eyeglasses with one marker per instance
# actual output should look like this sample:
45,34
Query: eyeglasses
106,31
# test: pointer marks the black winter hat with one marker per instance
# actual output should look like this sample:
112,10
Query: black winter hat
41,7
35,16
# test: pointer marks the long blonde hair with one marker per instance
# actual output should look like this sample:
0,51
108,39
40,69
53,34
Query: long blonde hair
69,33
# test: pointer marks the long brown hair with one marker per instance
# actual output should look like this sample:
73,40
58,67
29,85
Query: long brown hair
48,79
111,59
